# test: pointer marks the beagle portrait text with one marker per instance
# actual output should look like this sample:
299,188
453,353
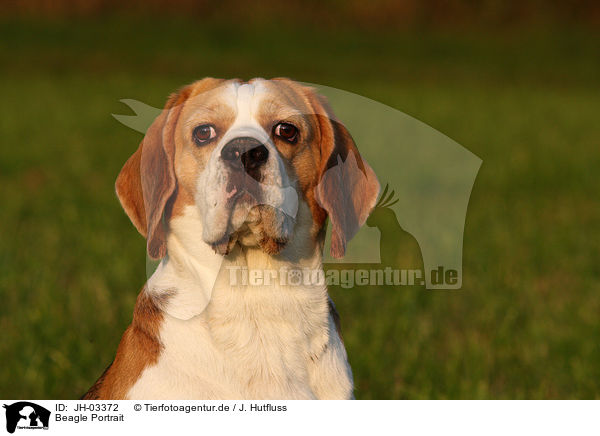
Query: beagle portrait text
239,175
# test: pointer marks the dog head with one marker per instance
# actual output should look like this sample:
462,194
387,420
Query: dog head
245,154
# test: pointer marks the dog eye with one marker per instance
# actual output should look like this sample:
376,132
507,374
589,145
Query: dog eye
204,133
287,131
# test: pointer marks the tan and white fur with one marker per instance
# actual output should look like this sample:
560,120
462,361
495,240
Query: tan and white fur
194,334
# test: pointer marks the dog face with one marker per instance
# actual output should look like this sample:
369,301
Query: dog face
245,154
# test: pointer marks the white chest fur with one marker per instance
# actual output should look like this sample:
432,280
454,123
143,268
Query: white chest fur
240,342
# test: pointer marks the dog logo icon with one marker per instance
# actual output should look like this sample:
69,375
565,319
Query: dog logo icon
26,415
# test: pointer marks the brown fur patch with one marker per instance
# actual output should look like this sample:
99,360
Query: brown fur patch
147,181
139,348
190,159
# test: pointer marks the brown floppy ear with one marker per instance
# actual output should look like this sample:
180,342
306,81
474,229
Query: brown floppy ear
147,181
347,187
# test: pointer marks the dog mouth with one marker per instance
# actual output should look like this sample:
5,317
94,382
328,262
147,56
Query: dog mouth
237,201
248,212
263,227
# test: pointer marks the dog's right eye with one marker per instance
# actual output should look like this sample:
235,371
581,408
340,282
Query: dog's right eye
204,133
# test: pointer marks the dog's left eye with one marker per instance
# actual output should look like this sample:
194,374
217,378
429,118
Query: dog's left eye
287,131
204,133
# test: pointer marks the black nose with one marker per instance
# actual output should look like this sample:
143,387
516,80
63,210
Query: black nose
245,152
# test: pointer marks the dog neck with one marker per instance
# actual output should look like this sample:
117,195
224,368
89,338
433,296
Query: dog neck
184,282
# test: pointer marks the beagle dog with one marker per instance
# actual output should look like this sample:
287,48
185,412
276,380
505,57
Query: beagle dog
239,176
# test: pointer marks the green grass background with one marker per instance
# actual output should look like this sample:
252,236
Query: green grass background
524,325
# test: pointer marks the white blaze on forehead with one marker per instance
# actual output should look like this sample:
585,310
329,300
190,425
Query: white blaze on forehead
246,99
245,103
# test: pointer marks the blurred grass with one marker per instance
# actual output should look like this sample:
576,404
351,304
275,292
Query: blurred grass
525,324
